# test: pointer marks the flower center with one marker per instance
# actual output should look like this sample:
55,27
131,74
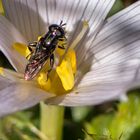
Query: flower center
61,79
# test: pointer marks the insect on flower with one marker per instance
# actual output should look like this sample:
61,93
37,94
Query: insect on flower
43,50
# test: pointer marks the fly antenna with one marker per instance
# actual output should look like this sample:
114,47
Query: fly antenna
61,23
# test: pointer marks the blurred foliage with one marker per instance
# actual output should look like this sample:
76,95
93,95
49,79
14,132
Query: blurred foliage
22,125
80,113
118,6
123,123
109,121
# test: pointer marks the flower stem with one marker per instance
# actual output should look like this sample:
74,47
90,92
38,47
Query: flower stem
51,122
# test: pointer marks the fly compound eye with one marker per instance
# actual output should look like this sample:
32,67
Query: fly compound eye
58,33
53,27
56,29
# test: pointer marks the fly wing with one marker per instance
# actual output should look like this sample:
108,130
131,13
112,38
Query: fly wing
36,62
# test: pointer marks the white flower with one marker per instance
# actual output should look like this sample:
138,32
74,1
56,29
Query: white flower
107,57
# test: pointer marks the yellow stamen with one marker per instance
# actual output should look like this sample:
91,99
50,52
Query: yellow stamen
21,49
39,38
43,82
67,69
72,57
57,87
1,71
80,35
65,73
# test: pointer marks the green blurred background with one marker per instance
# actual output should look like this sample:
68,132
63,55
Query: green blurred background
109,121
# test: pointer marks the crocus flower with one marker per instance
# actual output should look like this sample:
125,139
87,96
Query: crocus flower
107,56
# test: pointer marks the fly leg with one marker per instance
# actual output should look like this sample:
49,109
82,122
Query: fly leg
61,47
30,47
62,43
51,65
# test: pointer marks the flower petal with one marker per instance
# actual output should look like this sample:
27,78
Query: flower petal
17,94
32,17
9,35
108,82
119,40
95,14
74,12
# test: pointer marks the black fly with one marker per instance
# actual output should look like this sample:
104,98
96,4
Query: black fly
43,50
